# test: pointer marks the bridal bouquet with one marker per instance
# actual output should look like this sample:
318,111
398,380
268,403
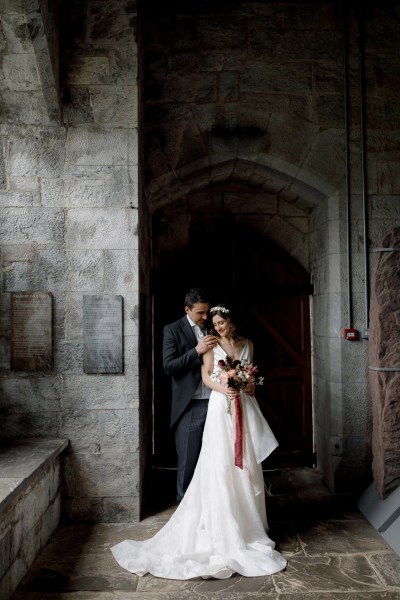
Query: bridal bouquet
236,374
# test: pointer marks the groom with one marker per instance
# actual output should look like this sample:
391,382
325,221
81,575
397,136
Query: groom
184,343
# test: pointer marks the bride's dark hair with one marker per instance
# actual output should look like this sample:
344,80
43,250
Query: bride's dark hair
228,315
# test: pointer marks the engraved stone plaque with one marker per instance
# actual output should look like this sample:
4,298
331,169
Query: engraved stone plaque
102,334
31,331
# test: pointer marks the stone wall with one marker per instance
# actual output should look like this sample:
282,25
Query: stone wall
69,198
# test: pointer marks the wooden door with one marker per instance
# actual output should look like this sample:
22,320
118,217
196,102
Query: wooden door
271,291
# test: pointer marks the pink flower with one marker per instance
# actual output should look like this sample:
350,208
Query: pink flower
237,375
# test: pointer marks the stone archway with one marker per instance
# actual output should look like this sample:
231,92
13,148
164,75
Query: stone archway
233,206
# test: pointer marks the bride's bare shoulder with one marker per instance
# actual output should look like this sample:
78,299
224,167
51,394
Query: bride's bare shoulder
242,342
248,343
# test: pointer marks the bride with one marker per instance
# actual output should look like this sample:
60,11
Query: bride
219,527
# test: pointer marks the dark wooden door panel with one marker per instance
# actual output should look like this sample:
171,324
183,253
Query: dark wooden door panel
272,291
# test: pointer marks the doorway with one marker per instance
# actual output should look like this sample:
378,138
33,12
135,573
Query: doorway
271,291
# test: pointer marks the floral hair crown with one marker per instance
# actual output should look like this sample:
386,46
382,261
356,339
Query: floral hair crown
220,308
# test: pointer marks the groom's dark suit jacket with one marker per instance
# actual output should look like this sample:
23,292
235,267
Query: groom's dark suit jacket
182,363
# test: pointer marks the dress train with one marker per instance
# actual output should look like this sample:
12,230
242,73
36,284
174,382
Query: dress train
219,528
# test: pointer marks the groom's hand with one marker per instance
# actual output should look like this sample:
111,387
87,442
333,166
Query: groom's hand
206,343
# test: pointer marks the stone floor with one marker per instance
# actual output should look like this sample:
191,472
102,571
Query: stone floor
333,554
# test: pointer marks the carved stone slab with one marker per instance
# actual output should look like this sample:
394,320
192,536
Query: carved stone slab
102,334
31,331
384,365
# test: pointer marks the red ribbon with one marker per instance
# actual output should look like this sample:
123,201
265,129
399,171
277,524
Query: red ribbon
238,433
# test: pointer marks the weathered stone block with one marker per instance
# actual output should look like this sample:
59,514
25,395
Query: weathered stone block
33,504
89,191
100,392
386,207
77,107
36,395
101,228
89,70
119,430
44,424
121,510
81,428
5,550
74,317
19,6
94,145
124,64
85,271
17,198
20,73
260,203
121,272
326,159
54,480
50,520
27,107
92,187
328,110
103,474
37,225
20,276
16,34
229,86
114,21
41,153
388,177
68,357
112,104
276,77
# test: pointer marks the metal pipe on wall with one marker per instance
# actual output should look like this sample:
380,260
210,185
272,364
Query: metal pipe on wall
361,48
347,161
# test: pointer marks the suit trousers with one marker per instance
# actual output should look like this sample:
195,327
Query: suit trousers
188,438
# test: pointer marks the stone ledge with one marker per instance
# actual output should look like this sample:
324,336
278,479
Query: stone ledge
29,504
21,461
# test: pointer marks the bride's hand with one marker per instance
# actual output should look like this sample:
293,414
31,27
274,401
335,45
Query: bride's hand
250,389
231,393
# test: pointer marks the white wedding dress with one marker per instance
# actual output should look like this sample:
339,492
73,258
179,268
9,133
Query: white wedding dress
219,527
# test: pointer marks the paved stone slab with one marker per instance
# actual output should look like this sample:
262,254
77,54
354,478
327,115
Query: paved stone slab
338,537
328,573
76,540
89,572
388,567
